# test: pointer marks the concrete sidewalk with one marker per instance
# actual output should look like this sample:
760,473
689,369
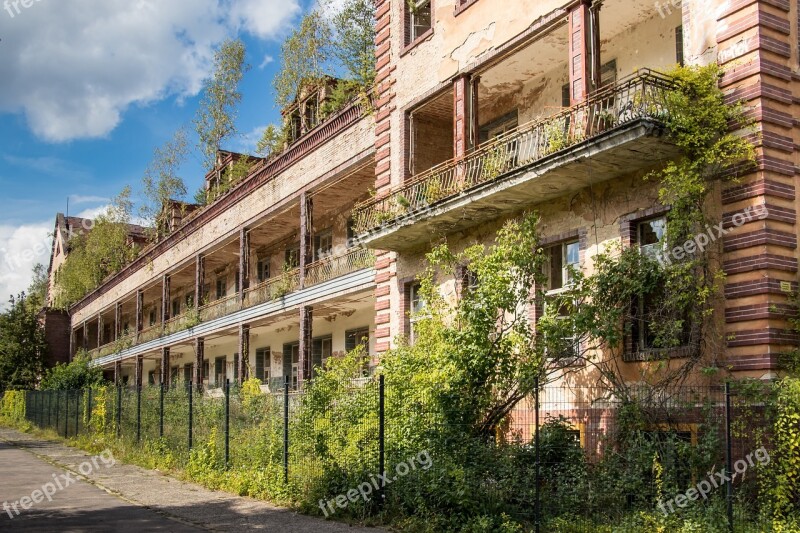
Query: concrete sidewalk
126,497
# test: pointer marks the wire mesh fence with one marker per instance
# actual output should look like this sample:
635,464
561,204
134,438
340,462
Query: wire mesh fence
564,458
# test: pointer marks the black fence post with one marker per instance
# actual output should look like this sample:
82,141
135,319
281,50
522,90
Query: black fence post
728,455
537,507
58,408
286,430
119,410
78,395
381,439
227,421
161,412
89,407
189,392
138,413
66,414
49,407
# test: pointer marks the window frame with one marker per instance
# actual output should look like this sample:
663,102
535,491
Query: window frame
410,38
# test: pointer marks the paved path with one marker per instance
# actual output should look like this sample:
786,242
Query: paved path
124,498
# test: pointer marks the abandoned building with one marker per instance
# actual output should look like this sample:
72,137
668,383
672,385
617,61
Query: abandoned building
482,109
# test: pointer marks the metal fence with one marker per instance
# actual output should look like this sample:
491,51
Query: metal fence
565,455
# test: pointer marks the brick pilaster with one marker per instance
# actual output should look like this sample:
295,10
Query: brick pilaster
760,256
579,36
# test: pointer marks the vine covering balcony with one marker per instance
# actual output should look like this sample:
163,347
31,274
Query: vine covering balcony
641,96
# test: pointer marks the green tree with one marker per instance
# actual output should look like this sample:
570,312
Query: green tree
101,251
216,118
77,374
161,183
22,345
353,42
37,291
304,56
272,141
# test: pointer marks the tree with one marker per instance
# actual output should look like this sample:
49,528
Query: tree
304,55
216,118
272,141
353,42
94,255
161,182
77,374
37,291
22,345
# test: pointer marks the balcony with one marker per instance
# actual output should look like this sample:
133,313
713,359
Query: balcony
615,131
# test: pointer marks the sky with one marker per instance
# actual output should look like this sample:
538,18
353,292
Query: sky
89,88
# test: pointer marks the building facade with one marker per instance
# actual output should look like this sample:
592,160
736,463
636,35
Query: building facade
482,109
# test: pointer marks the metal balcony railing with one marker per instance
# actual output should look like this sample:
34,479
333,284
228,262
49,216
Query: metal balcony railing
223,306
641,96
333,267
273,288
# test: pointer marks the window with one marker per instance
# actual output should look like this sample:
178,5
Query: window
356,337
176,307
416,308
152,317
679,45
222,288
219,370
650,235
499,126
291,361
188,373
608,73
418,19
263,365
236,367
236,282
206,369
321,350
563,262
190,299
151,377
262,269
173,375
292,257
351,233
323,244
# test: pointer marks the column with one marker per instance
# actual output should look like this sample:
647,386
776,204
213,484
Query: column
139,312
579,75
99,330
85,335
199,280
244,351
304,371
306,247
164,299
462,115
118,373
117,321
165,366
244,261
139,369
199,351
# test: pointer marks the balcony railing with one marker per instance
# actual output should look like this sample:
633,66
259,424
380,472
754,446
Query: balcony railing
223,306
333,267
121,343
642,96
150,333
273,288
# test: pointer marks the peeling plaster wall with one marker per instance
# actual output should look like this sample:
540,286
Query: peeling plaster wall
650,44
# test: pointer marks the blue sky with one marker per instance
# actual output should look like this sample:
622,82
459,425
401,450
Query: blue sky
91,87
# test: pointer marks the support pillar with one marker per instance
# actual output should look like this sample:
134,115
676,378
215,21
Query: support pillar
139,312
579,75
117,321
85,335
99,331
199,351
118,373
199,280
139,370
465,130
306,334
165,366
244,351
244,262
306,247
164,299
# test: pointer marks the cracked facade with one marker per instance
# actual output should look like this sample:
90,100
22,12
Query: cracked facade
474,119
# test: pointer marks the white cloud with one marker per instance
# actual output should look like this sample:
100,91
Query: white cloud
73,68
266,61
21,248
78,199
246,143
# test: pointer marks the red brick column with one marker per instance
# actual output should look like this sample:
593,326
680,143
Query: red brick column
384,114
760,256
244,261
139,312
164,299
579,62
165,366
244,351
199,280
305,363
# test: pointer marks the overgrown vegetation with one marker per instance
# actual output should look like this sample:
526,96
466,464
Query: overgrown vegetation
97,252
162,184
77,374
22,344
